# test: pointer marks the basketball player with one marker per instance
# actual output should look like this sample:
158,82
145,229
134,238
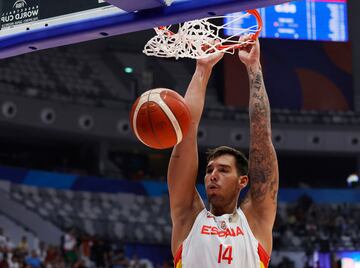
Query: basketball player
227,235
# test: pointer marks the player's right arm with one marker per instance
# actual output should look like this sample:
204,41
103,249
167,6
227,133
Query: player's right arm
185,201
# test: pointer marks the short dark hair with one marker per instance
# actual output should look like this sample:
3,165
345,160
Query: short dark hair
242,164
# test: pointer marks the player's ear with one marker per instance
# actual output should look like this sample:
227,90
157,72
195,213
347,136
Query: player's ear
243,181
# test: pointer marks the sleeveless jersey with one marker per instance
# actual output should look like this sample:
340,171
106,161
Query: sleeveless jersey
223,241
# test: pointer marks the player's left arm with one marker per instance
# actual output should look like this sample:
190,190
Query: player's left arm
261,202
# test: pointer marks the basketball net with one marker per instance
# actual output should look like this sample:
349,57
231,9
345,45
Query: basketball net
196,39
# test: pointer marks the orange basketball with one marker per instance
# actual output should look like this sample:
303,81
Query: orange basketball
160,118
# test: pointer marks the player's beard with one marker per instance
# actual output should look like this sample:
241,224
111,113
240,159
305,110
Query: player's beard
219,201
215,200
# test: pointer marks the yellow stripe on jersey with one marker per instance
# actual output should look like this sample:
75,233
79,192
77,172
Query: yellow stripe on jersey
177,260
264,257
178,265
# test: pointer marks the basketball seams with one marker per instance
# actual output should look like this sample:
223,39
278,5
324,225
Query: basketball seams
149,99
157,98
157,118
172,99
142,100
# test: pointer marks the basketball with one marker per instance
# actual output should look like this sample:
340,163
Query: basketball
160,118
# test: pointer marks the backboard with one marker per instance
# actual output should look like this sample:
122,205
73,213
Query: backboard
30,25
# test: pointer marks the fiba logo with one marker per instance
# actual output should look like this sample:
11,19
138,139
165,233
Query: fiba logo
19,4
20,12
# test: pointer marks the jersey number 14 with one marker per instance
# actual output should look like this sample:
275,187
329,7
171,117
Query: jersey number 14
225,254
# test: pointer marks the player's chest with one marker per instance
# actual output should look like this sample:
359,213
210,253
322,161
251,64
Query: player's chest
220,242
221,231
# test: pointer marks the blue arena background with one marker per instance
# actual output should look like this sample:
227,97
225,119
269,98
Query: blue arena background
151,188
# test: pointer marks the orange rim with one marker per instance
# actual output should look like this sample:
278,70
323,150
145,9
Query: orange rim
253,37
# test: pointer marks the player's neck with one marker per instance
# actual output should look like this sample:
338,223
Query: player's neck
218,211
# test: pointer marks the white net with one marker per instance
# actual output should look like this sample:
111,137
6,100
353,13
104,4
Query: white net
196,39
